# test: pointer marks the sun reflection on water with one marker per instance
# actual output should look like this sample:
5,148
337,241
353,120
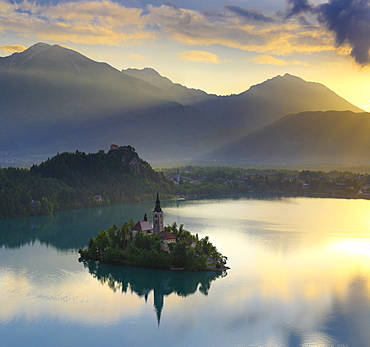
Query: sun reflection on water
357,247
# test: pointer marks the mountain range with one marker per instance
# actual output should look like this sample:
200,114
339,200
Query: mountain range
260,105
54,99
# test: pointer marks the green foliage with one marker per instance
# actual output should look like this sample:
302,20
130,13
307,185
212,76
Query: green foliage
180,233
71,180
226,180
121,246
204,246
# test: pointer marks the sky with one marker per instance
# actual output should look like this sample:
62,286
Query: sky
219,46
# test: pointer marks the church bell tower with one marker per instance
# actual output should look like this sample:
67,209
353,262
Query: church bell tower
157,217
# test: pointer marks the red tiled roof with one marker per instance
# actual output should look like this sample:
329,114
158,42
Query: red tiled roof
165,235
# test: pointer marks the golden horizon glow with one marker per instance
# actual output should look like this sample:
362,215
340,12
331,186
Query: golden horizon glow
199,56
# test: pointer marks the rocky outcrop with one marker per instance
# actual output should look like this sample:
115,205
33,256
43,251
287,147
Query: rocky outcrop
127,155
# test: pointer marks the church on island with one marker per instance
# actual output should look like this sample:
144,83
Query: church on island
171,247
157,228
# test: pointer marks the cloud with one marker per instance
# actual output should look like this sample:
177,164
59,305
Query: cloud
89,22
348,20
136,56
227,29
249,14
270,60
296,7
110,23
199,56
13,48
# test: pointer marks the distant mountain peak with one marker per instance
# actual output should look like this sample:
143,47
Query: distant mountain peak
18,59
44,57
37,48
287,80
288,76
151,76
146,70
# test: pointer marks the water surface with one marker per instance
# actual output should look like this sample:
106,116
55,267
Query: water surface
300,271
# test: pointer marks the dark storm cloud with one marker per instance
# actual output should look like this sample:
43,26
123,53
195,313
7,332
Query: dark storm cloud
349,20
249,14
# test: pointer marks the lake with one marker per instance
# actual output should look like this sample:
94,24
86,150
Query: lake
300,275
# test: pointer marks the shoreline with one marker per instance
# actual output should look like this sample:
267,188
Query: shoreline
205,196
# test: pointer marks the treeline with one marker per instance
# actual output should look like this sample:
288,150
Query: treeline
216,180
119,245
76,180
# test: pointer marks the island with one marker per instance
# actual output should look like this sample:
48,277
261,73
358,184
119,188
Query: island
157,246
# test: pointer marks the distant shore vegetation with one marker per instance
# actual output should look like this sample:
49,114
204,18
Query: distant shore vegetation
80,180
121,246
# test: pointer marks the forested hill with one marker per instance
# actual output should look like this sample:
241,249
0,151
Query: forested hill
76,180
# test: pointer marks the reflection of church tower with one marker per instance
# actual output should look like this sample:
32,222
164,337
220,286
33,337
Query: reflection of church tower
158,304
157,217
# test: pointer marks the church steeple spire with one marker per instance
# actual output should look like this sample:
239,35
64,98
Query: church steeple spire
157,205
158,224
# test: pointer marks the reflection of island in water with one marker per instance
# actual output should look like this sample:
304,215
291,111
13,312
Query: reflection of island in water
162,282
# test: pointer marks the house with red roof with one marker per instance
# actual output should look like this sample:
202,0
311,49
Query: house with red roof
167,237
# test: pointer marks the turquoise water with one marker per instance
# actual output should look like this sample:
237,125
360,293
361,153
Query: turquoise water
300,275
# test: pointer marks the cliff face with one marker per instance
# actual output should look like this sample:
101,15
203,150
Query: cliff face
127,156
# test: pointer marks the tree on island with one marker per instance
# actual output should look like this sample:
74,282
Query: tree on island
119,245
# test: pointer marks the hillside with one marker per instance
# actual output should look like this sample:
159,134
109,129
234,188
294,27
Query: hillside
76,180
309,138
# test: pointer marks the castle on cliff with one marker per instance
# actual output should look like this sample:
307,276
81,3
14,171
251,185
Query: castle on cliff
127,155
